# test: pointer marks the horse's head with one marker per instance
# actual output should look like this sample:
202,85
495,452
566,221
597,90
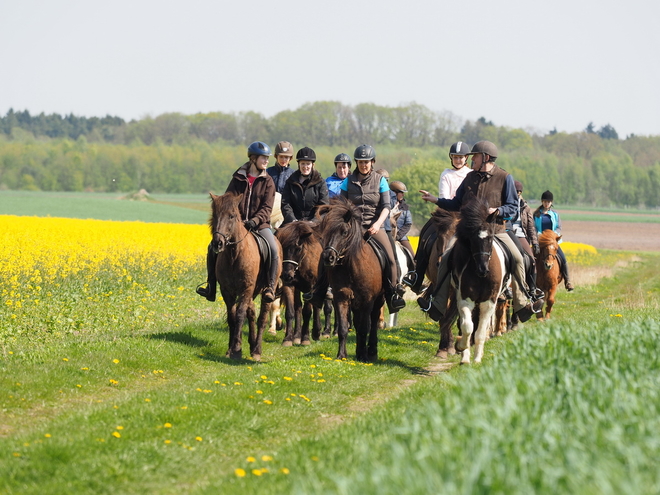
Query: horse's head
475,231
297,240
549,245
225,222
340,232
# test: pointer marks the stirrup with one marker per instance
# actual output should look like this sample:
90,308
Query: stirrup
395,303
268,295
205,292
410,278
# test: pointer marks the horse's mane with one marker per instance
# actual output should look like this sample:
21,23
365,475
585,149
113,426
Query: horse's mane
221,205
340,212
474,215
443,220
547,238
298,231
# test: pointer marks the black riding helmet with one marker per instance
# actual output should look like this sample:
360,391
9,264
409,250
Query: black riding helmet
306,154
343,158
364,152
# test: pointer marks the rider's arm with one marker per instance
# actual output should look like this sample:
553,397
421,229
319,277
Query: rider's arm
509,200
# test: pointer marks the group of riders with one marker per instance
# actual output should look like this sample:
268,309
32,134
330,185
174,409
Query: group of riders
303,191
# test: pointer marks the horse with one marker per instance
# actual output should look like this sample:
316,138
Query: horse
443,223
477,275
301,247
548,274
402,260
355,276
237,269
276,219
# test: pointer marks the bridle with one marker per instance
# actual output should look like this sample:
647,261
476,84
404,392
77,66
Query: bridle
296,264
228,241
339,255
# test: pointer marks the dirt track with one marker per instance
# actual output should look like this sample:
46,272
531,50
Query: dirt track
614,235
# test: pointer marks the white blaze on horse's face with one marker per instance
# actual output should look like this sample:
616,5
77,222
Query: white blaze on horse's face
483,234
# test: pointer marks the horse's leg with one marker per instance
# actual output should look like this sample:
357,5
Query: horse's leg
275,318
550,301
362,319
446,346
231,323
465,321
235,350
289,315
341,316
327,311
546,295
251,315
486,313
264,312
298,310
316,326
381,317
372,346
308,311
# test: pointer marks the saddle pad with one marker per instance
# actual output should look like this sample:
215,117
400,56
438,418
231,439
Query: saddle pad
264,252
380,254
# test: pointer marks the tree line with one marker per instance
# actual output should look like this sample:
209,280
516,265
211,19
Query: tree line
176,153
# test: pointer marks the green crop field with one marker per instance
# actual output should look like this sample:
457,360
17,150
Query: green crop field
120,385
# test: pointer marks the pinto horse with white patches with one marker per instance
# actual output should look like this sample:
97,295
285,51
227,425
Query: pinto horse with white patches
478,275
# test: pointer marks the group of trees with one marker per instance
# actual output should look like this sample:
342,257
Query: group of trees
180,153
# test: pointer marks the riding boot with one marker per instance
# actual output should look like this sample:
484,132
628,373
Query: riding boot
415,279
209,292
393,298
564,273
268,294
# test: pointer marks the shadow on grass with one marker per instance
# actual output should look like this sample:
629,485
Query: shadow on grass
185,338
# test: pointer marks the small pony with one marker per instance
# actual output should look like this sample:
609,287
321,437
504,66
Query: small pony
301,247
478,276
355,276
548,274
237,269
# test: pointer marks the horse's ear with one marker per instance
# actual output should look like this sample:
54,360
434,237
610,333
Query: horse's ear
558,237
348,215
213,196
305,235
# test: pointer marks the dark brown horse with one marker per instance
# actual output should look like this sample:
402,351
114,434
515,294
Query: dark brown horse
443,223
355,276
548,272
237,269
478,274
301,248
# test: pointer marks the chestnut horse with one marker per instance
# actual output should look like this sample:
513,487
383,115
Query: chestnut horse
443,223
355,276
478,273
548,273
301,248
237,269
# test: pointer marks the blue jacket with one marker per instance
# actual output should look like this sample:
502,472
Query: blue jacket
554,218
334,185
279,175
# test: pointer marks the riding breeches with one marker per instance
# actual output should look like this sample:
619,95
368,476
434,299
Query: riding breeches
387,243
274,255
563,266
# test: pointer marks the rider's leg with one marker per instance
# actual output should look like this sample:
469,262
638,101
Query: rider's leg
436,305
530,273
564,269
394,292
415,279
406,244
269,292
209,292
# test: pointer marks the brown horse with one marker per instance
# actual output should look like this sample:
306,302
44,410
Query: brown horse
355,276
238,271
301,247
478,274
443,223
548,272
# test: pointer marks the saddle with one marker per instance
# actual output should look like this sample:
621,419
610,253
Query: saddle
382,260
264,253
508,262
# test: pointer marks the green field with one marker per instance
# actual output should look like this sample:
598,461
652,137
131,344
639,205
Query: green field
133,394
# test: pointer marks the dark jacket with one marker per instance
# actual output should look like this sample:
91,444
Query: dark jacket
527,223
496,187
365,194
404,221
301,200
258,199
279,175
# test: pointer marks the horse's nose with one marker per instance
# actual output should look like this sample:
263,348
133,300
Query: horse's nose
329,257
287,277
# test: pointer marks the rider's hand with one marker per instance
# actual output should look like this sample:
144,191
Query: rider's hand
250,224
373,230
427,196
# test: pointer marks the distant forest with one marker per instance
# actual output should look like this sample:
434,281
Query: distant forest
178,153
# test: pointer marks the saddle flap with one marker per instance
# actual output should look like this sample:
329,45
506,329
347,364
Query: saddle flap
264,250
380,254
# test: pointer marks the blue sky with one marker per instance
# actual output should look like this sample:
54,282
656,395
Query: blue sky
535,65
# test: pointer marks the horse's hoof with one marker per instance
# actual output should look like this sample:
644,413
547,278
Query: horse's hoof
287,343
296,341
442,354
325,336
272,331
256,357
306,342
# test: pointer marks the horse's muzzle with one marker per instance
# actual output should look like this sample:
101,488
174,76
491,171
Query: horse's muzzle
330,257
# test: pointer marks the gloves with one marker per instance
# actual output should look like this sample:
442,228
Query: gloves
250,224
537,249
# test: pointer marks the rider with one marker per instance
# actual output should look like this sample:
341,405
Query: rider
258,193
342,169
546,218
450,180
489,182
280,172
404,222
522,224
369,191
305,190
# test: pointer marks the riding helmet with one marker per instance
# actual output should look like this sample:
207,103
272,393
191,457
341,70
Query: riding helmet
398,186
306,154
461,149
547,196
364,152
384,173
484,147
519,186
284,148
343,158
258,148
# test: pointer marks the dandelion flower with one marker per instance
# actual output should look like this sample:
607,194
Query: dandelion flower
314,458
116,434
269,402
240,472
168,425
199,439
65,359
266,458
116,361
167,442
120,427
47,435
284,470
256,472
250,459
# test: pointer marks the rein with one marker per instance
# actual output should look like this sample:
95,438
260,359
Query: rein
228,241
339,256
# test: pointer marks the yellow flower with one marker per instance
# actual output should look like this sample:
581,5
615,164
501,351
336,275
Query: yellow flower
115,361
256,472
65,359
288,378
47,435
120,427
167,425
168,442
266,458
240,472
269,402
284,471
199,439
116,434
250,459
263,377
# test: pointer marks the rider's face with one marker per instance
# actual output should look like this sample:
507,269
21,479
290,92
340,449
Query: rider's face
262,162
305,167
343,169
283,161
364,166
458,161
546,203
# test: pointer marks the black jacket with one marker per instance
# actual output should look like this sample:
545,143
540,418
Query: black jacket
300,200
